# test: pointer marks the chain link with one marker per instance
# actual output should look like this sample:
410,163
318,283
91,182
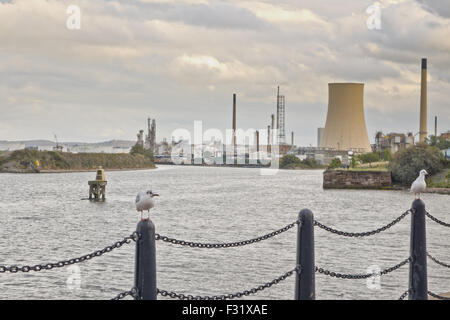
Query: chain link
254,290
436,296
133,293
48,266
404,295
361,276
229,244
437,220
437,261
361,234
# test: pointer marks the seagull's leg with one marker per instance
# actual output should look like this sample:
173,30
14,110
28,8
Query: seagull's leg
148,215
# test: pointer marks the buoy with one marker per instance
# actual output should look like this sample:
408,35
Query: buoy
97,187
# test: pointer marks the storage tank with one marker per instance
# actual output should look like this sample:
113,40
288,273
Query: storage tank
345,127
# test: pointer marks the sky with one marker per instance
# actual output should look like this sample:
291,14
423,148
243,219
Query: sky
181,60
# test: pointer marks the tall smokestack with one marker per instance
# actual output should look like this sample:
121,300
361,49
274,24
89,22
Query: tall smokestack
292,139
234,121
272,127
435,126
268,137
257,141
278,108
423,103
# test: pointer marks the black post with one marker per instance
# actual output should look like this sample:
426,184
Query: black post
145,272
418,285
305,288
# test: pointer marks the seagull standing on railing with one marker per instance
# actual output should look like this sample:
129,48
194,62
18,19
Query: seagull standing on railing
419,185
144,201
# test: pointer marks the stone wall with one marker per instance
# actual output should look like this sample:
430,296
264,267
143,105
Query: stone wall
344,179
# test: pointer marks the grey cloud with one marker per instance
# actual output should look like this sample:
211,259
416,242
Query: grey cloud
438,7
218,14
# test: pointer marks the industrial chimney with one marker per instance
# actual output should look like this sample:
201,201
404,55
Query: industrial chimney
234,121
345,128
423,103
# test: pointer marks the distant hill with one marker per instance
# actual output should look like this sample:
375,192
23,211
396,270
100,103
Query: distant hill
23,161
47,143
110,143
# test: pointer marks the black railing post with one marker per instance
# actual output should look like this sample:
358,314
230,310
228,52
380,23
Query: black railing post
418,285
305,288
145,269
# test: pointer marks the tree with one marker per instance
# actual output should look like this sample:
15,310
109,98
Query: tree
290,160
438,142
407,163
139,149
335,163
369,157
386,155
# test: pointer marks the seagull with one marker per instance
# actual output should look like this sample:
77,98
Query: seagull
144,201
419,185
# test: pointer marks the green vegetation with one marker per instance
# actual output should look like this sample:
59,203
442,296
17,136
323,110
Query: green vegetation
139,149
25,161
335,163
386,155
441,180
291,161
369,157
438,142
372,157
406,164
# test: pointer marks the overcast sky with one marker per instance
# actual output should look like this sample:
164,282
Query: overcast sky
181,60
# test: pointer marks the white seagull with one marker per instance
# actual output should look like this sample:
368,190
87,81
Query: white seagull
144,201
419,185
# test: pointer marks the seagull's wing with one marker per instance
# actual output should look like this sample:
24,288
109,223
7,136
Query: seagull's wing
139,197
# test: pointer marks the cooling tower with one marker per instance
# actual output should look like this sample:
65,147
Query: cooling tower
345,128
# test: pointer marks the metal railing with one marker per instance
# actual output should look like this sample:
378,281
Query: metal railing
145,286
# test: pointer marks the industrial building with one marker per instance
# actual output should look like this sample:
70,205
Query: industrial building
393,142
345,127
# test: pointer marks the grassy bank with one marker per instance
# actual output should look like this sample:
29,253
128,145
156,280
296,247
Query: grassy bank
23,161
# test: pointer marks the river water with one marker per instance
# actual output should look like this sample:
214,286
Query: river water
43,219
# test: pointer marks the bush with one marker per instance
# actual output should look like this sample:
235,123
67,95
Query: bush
406,164
439,142
335,163
290,161
369,157
386,155
139,149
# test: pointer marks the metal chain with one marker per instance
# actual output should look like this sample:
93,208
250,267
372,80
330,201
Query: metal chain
437,261
229,244
436,296
361,234
437,220
48,266
361,276
254,290
404,295
133,293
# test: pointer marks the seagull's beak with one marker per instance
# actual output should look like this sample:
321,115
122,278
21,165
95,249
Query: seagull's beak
155,195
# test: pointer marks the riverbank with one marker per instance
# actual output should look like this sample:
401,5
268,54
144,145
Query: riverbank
33,161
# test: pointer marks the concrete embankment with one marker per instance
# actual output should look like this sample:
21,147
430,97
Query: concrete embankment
348,179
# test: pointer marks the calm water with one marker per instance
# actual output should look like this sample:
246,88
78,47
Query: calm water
44,220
